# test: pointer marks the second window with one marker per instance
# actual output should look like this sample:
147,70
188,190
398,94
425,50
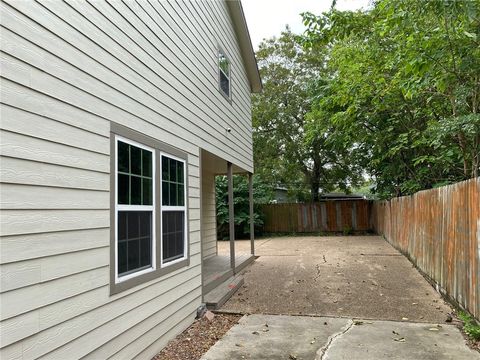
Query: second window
173,209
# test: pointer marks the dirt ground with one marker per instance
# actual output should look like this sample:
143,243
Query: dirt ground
354,276
198,338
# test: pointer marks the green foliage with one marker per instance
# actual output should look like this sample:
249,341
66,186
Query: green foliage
241,205
402,88
294,148
365,190
470,326
347,230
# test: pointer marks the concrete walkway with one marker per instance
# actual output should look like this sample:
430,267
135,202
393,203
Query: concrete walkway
365,299
353,276
299,337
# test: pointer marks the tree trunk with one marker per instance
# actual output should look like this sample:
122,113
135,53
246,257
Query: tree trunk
315,181
315,187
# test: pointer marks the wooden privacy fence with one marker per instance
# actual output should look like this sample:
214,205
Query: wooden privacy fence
331,215
439,230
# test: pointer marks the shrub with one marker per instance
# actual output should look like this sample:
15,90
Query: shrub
261,195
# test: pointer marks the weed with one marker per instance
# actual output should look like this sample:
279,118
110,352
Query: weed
347,230
470,326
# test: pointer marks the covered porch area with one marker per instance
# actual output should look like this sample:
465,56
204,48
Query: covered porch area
222,260
218,269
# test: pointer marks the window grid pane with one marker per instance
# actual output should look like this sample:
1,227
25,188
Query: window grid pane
146,164
173,178
134,164
223,63
134,241
173,235
135,160
224,83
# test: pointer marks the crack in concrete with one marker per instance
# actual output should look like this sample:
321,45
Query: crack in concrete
318,272
322,352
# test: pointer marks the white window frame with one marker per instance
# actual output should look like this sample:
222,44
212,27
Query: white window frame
174,208
120,207
228,76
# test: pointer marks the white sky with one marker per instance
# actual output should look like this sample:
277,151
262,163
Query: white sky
267,18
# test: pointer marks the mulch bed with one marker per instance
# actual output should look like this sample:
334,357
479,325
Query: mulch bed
198,338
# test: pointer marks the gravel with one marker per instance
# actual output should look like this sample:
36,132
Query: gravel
198,338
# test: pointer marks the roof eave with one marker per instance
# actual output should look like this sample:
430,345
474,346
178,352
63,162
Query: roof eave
245,43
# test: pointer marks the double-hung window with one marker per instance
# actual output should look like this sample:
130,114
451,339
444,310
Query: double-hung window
173,209
149,232
224,73
135,212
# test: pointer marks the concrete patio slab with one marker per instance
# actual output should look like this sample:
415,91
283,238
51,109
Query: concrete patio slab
400,340
347,276
321,338
285,337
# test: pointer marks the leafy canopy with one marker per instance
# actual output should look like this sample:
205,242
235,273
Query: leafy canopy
402,89
293,148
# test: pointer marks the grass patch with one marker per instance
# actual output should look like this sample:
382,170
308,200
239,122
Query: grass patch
470,326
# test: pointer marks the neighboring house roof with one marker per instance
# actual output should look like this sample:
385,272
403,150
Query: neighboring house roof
245,43
339,196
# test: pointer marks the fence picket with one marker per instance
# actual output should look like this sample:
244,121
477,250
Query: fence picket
439,230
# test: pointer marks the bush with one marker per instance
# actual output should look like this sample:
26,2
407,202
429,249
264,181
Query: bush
261,195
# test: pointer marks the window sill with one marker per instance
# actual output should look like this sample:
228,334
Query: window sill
173,262
134,274
228,98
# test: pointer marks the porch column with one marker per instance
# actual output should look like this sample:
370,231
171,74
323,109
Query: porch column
231,221
252,223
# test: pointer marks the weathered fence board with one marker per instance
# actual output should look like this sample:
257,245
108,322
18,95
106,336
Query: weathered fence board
439,230
328,216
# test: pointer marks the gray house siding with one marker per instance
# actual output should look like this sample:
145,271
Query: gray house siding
209,218
70,69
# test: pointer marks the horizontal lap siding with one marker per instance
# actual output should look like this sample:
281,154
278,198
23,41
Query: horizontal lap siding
23,247
26,172
209,220
25,197
24,147
124,80
28,272
69,69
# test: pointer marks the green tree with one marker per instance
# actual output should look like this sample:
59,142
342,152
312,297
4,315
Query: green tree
404,89
286,152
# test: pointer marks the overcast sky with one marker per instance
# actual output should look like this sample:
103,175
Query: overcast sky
267,18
